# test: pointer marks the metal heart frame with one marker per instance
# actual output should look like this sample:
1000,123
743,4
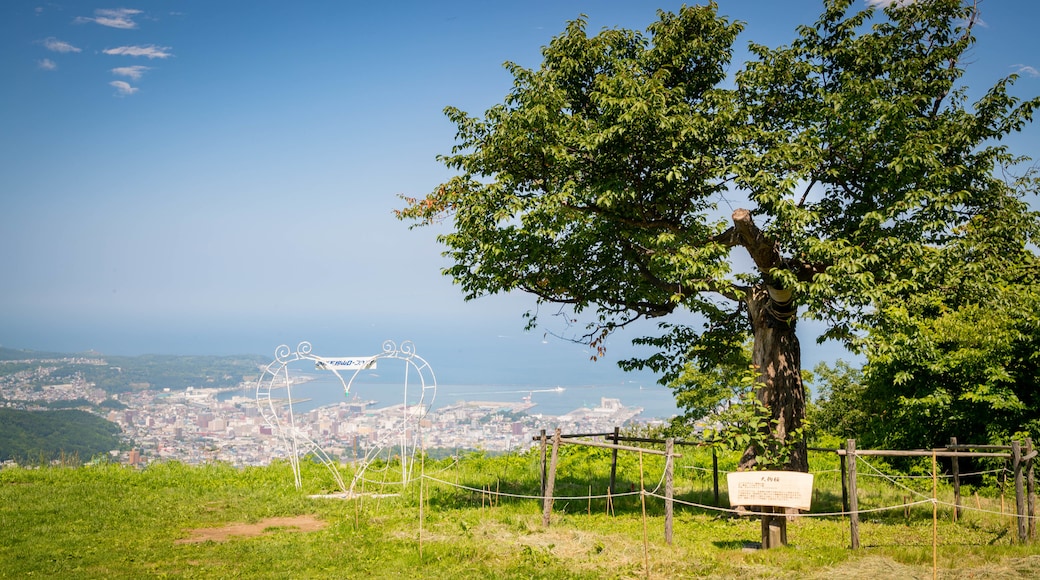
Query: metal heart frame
406,431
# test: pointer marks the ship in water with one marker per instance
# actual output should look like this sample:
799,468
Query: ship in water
609,413
527,398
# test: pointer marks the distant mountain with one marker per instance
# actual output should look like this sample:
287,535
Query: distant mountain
117,374
30,436
19,354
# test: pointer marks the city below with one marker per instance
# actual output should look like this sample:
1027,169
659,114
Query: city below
198,425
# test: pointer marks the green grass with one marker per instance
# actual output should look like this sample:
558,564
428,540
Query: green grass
108,521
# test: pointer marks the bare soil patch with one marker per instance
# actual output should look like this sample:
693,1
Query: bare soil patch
306,523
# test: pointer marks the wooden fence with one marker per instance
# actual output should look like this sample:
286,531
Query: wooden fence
1021,457
1020,454
549,478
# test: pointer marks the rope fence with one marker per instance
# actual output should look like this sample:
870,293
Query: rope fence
706,507
1017,458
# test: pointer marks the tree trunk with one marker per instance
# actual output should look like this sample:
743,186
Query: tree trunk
778,357
775,351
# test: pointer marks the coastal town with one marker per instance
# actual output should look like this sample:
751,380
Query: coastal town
198,425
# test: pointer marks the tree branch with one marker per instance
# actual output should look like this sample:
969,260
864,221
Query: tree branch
763,250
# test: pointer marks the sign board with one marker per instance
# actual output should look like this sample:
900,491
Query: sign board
788,489
349,363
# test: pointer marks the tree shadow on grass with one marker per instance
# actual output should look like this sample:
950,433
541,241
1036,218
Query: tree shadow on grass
737,545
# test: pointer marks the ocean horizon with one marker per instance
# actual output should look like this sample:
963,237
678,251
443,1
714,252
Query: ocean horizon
656,401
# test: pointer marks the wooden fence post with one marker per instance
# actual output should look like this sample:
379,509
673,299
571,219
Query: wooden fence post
850,453
1030,490
935,515
1003,490
543,462
844,484
642,501
715,473
613,462
1020,494
956,468
669,487
551,480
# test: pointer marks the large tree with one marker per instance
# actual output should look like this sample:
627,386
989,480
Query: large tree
853,152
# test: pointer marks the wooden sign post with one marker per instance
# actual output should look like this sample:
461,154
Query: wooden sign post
772,492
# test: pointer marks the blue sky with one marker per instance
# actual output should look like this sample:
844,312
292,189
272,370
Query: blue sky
219,177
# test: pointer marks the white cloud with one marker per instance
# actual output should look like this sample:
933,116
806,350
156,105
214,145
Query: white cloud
112,17
134,72
47,64
54,45
1024,69
150,51
123,88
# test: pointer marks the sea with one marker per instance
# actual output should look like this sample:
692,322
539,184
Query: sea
311,391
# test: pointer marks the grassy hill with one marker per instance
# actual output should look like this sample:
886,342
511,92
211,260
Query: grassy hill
119,374
35,436
473,521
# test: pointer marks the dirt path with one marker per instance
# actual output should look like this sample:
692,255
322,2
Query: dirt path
306,523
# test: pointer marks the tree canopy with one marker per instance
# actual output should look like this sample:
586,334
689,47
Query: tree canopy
955,359
853,154
45,435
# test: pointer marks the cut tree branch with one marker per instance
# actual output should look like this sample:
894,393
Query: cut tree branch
763,250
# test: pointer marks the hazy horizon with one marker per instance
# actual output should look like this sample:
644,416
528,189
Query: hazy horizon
193,177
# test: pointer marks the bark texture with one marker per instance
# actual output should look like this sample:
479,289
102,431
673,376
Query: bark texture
776,352
777,355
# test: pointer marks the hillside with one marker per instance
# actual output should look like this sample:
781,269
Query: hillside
118,374
35,436
478,517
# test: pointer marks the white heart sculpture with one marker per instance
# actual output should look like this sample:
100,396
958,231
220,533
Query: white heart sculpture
404,432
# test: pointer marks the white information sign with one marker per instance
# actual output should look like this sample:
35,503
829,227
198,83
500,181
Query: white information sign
350,363
788,489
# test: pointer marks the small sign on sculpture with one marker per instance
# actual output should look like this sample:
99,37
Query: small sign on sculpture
350,363
786,489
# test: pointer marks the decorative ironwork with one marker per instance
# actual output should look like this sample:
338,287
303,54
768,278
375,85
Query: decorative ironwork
404,431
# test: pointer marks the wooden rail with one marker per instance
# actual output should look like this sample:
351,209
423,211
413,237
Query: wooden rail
1021,466
1020,454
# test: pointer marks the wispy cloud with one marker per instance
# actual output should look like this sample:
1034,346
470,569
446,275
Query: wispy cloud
112,17
1025,69
133,72
123,88
47,64
54,45
150,51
